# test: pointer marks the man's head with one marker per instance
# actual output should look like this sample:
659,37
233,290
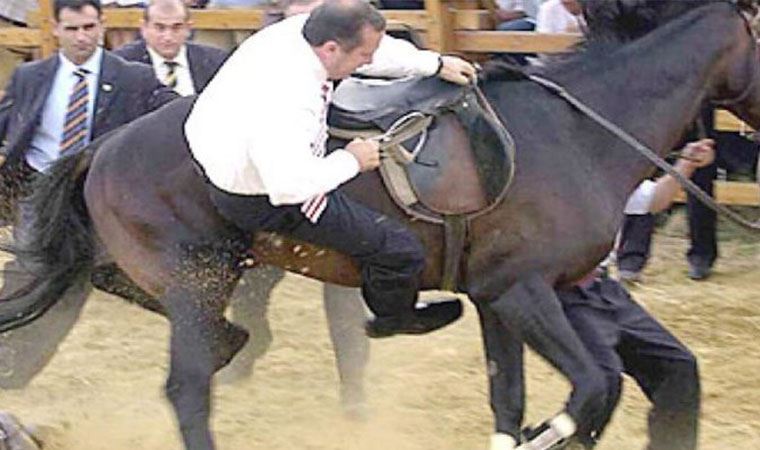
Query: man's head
344,34
166,26
77,25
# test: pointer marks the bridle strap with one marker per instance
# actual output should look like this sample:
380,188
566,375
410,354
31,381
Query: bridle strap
645,151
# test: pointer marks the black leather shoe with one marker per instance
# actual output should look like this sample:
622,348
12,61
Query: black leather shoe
698,272
426,317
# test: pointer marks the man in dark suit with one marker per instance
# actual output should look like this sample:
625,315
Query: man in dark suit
184,66
52,108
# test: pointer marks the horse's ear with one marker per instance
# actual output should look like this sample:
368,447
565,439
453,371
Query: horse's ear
748,6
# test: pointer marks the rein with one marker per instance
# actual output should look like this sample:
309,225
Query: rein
646,152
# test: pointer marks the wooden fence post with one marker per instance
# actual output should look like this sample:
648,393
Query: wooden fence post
49,44
440,33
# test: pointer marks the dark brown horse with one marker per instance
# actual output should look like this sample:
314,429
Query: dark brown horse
139,196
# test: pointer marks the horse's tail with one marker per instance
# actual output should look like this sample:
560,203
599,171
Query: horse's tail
57,247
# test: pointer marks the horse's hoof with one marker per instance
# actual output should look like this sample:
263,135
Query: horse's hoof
356,412
13,435
502,441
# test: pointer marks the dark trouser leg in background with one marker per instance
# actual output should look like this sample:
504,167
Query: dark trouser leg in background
391,256
623,337
664,368
702,223
532,310
635,242
702,220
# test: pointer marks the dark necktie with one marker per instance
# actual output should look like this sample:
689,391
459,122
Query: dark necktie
315,206
75,125
171,76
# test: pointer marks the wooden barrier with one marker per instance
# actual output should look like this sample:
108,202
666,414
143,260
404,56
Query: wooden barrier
733,193
20,37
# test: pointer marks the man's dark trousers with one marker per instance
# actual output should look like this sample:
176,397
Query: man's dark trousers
624,338
390,255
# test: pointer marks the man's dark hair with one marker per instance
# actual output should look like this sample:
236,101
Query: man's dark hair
341,21
152,3
76,5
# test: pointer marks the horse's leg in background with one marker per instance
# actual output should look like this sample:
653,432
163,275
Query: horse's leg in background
506,383
531,308
248,306
346,316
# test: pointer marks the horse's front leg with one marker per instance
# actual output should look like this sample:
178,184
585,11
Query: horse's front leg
531,309
504,362
202,342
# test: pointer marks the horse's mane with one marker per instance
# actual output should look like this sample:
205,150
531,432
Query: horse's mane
611,23
620,21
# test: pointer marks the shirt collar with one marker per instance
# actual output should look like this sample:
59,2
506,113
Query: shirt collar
159,60
92,65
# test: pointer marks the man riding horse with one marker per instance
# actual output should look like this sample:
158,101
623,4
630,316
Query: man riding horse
263,153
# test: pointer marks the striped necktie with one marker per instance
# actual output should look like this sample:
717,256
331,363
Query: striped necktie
75,131
315,206
171,75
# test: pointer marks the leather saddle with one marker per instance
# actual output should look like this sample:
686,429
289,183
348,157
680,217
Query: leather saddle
464,160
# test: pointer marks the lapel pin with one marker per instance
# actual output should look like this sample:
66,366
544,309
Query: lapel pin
107,87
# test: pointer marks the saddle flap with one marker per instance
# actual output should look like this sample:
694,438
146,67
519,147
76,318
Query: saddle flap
446,178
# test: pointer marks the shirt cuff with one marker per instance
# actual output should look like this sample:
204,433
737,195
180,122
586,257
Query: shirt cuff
346,164
429,63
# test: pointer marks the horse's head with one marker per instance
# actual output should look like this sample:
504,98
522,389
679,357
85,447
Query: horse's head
738,86
736,83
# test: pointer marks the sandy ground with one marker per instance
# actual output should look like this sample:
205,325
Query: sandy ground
104,388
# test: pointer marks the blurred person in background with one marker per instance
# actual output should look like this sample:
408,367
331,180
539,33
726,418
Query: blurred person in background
183,66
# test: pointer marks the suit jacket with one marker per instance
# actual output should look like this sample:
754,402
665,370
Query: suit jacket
126,91
204,60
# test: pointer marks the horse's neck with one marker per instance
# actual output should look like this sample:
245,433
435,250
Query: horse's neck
653,89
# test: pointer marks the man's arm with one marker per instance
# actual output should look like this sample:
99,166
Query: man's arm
694,156
397,58
656,196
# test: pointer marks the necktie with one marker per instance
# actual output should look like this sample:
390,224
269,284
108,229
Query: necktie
315,206
171,75
75,125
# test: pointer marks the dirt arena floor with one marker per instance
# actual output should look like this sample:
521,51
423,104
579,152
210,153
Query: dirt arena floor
103,391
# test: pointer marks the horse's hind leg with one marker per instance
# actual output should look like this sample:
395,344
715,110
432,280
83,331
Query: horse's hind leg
202,340
248,306
504,360
346,316
531,308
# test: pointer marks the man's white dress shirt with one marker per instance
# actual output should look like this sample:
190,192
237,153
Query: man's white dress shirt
184,85
256,128
640,201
